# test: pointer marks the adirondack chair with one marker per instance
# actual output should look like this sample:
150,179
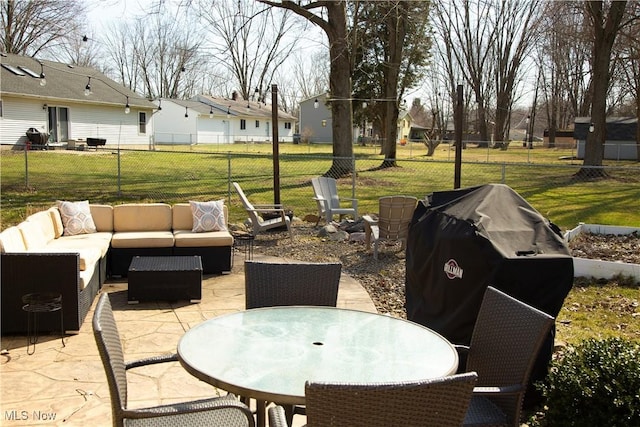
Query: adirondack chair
326,195
392,222
257,222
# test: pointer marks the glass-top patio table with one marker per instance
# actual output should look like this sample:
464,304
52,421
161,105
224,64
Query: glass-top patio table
269,353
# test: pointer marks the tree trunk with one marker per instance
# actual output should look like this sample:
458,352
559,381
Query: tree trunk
396,25
605,30
339,76
340,87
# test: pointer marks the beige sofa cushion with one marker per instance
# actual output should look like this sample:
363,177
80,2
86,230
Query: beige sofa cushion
57,221
102,217
142,239
45,225
35,243
32,235
190,239
89,256
136,217
99,240
11,240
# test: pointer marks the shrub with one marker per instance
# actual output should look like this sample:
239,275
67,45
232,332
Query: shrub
596,383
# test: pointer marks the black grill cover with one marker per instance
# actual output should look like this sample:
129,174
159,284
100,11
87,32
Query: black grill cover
462,241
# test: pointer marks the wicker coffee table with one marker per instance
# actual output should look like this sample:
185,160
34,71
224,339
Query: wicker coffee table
165,278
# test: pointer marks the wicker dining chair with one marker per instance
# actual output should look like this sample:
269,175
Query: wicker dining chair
504,346
438,402
224,411
270,284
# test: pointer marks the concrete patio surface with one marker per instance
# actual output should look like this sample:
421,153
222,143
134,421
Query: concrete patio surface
67,386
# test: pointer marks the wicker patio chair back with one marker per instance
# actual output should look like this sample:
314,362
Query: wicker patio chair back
224,411
269,284
506,339
107,338
440,402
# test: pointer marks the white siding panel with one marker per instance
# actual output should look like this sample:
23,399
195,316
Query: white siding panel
85,121
18,115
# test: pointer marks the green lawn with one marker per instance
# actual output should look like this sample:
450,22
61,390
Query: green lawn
178,173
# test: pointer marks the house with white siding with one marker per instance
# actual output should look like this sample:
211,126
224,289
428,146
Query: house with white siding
206,119
68,104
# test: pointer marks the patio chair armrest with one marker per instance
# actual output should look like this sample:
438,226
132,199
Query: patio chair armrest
280,211
181,408
151,361
370,220
501,390
277,417
267,206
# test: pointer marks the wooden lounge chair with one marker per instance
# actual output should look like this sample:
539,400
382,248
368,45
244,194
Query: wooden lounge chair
329,203
392,223
257,222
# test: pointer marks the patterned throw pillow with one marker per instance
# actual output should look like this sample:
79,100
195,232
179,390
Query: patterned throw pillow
76,218
208,216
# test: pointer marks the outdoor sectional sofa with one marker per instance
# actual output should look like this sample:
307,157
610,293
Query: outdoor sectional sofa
37,256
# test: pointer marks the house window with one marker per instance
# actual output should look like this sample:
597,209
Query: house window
0,107
243,124
287,125
142,123
257,123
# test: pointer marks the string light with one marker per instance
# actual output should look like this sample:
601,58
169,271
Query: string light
316,103
87,88
186,112
43,81
160,104
127,109
211,112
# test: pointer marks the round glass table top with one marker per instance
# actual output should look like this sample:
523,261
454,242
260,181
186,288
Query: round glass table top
269,353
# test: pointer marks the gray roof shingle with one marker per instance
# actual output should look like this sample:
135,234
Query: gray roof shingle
64,82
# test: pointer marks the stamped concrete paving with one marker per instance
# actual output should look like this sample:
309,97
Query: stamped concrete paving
66,385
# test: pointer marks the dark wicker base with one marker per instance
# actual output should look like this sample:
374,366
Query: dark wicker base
27,273
120,258
169,278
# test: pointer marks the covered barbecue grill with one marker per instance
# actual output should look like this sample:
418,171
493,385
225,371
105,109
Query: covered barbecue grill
462,241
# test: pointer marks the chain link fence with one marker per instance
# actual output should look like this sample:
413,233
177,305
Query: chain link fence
566,193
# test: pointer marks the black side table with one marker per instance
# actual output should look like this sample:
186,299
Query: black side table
244,240
41,302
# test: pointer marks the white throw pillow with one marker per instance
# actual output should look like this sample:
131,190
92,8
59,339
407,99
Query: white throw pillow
208,216
76,218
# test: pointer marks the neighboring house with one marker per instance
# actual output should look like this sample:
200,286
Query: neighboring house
405,121
315,125
60,109
210,120
620,137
